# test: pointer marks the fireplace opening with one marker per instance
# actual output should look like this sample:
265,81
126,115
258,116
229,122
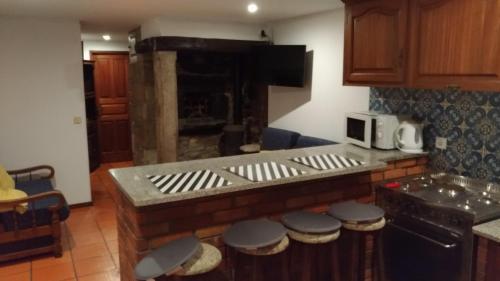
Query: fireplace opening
205,85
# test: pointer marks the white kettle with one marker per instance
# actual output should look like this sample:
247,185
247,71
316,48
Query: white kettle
408,137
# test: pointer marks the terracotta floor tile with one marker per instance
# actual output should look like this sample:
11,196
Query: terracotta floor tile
107,224
14,268
95,277
25,276
61,272
90,251
86,239
110,234
112,245
114,275
50,260
116,260
88,227
94,265
74,222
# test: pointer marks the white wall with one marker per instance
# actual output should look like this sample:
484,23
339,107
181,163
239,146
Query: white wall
319,110
41,90
200,29
103,46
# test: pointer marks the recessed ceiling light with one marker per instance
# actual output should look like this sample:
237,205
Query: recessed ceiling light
252,8
106,37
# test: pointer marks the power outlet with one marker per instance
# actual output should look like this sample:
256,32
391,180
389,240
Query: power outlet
77,120
441,143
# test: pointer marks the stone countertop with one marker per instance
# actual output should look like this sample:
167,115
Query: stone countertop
141,191
489,230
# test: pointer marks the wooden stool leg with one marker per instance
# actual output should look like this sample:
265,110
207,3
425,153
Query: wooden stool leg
353,265
362,257
335,262
306,268
378,262
258,274
284,266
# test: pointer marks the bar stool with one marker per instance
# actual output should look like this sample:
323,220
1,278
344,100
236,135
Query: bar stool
310,232
183,259
257,246
360,222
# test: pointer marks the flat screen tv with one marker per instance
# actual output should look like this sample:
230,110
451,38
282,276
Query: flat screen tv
281,65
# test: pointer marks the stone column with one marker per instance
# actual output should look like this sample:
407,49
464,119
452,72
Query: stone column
142,110
165,82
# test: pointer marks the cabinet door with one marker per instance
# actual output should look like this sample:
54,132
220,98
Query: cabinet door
375,42
455,43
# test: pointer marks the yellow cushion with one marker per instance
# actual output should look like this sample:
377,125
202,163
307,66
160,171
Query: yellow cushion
8,191
6,181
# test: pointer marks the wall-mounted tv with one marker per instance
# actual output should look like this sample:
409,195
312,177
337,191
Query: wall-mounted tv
281,65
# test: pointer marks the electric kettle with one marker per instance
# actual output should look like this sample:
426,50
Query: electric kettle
408,137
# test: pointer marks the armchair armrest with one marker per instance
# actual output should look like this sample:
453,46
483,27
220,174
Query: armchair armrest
61,201
32,171
9,206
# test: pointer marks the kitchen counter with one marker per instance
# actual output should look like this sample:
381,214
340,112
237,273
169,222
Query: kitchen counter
135,185
147,218
489,230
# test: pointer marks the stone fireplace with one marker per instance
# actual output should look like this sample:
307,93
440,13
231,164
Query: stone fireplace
185,91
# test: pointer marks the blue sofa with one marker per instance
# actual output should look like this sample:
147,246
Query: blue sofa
276,139
38,230
306,141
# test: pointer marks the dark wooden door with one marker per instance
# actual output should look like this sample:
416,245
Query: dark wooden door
111,75
455,43
375,42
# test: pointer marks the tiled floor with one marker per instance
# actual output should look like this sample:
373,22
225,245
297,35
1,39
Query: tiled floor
89,241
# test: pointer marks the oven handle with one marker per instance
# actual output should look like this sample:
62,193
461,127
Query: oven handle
443,245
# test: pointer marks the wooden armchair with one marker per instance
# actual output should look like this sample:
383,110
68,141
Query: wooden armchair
38,230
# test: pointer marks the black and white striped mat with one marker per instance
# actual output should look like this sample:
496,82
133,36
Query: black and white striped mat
266,171
189,181
327,162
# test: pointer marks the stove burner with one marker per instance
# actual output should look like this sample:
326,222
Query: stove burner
451,191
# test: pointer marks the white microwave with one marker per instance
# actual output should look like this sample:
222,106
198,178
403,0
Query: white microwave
369,129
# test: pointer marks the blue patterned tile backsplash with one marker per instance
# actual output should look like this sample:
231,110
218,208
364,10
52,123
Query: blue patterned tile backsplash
469,120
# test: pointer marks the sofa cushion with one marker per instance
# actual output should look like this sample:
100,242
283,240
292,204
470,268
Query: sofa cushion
42,215
276,139
306,141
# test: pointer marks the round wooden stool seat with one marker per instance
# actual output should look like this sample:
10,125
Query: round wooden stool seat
254,234
307,238
352,212
268,250
206,259
365,226
167,260
258,245
311,228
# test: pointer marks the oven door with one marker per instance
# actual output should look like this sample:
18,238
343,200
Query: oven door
359,129
412,253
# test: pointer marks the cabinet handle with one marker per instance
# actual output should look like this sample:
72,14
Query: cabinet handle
453,87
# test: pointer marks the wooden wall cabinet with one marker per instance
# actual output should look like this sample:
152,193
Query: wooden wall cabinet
449,43
375,42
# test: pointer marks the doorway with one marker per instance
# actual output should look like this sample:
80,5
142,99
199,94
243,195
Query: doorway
111,91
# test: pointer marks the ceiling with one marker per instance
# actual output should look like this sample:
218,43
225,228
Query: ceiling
120,16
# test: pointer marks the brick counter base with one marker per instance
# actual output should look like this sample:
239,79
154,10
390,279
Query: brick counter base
141,230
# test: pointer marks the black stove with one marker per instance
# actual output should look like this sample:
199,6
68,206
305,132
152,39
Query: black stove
478,198
429,231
